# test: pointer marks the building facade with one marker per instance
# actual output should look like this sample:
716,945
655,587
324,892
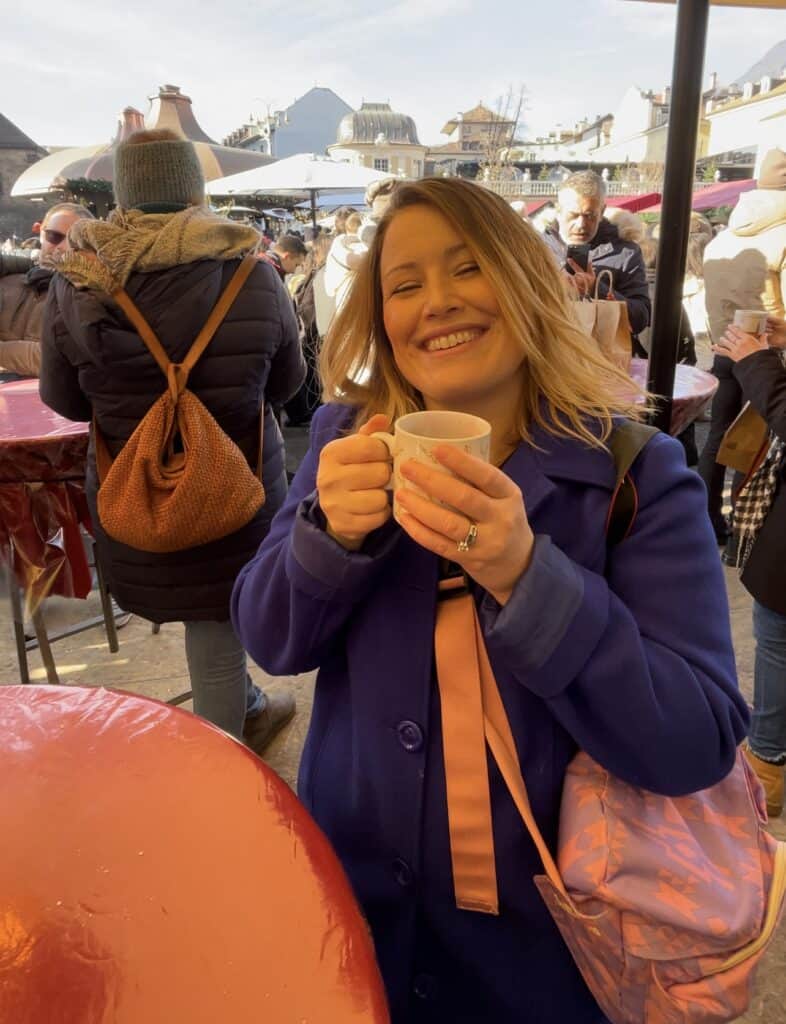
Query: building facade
378,137
309,125
477,138
17,153
745,123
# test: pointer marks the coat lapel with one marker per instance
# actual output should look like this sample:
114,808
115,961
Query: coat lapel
537,468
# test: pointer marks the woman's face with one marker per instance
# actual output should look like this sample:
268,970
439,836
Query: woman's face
443,320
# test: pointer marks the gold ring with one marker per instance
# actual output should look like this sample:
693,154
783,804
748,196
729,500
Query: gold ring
469,540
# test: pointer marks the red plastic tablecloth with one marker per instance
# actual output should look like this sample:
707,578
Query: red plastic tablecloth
693,388
155,871
42,499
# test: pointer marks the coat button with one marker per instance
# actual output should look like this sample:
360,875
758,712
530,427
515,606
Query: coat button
425,987
402,872
410,736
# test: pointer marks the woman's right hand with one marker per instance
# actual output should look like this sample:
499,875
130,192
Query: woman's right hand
351,479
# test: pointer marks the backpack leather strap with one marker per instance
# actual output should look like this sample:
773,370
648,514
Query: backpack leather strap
177,373
220,310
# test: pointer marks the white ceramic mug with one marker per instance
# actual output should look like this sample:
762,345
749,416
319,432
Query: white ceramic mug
752,321
418,433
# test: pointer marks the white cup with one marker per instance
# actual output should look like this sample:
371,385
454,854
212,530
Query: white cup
752,321
417,434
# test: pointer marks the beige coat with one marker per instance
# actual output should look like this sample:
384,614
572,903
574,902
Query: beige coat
745,265
21,309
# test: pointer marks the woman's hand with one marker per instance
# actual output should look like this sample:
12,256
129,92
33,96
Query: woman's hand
776,332
351,479
482,495
736,344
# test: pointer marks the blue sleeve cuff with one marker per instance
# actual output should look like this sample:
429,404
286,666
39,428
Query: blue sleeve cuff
550,625
319,566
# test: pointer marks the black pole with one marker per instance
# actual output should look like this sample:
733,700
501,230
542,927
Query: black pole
684,113
313,207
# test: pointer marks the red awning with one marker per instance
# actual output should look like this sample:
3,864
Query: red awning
722,193
535,205
634,203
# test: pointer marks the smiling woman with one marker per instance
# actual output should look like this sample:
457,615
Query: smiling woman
620,650
448,257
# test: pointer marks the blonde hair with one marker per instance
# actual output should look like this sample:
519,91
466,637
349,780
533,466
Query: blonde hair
566,381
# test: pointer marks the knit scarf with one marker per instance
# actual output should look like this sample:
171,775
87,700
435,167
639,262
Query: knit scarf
106,253
754,501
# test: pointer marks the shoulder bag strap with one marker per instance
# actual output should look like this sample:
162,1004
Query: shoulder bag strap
472,715
625,443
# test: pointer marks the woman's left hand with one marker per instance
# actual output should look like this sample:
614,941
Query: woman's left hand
736,344
478,494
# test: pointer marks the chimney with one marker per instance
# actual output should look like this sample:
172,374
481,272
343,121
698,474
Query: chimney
667,95
712,84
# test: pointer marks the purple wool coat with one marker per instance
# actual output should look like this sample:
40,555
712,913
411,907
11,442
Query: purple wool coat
624,653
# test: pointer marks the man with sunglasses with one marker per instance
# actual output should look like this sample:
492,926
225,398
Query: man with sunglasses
22,295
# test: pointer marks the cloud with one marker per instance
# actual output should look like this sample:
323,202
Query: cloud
429,58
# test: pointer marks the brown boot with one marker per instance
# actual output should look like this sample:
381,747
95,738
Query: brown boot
771,777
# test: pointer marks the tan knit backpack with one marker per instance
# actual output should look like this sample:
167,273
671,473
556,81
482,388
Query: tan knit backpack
180,480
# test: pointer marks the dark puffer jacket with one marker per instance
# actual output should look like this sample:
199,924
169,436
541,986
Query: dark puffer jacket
93,362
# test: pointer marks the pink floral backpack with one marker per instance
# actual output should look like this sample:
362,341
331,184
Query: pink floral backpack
666,904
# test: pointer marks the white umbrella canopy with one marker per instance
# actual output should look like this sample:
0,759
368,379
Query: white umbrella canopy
303,172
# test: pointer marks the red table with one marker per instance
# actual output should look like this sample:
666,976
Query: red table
42,499
155,871
693,389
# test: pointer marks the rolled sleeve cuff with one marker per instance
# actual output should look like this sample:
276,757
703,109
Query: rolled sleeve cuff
320,567
551,624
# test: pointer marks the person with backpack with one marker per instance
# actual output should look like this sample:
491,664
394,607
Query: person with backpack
614,642
173,482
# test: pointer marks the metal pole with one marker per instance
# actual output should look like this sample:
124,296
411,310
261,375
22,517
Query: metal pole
684,112
313,207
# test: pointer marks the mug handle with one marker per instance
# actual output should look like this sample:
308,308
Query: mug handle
389,441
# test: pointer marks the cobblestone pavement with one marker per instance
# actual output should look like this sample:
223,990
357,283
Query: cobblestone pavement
154,665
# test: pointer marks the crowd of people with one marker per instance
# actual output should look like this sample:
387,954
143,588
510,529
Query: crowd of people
440,299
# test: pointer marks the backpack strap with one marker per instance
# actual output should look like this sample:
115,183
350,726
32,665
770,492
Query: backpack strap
625,443
177,373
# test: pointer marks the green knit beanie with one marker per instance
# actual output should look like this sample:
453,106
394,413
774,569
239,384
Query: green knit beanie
157,172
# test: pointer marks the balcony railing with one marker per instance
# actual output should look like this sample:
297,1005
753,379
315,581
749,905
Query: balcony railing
536,189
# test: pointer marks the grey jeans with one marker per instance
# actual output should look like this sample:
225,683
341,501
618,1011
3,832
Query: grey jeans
223,691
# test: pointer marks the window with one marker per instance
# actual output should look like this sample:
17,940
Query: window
381,165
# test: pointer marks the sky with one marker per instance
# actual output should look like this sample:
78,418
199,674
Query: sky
67,70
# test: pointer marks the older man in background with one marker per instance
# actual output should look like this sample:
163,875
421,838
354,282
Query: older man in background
581,201
22,294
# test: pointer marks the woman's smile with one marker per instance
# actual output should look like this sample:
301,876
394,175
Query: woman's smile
452,340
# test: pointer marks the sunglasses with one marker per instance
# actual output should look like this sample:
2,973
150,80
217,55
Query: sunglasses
54,237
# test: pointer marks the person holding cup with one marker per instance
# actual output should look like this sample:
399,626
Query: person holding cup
457,353
759,517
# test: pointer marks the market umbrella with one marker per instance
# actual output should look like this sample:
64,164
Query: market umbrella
303,172
168,109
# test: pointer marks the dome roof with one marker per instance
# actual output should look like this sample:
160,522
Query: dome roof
374,120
